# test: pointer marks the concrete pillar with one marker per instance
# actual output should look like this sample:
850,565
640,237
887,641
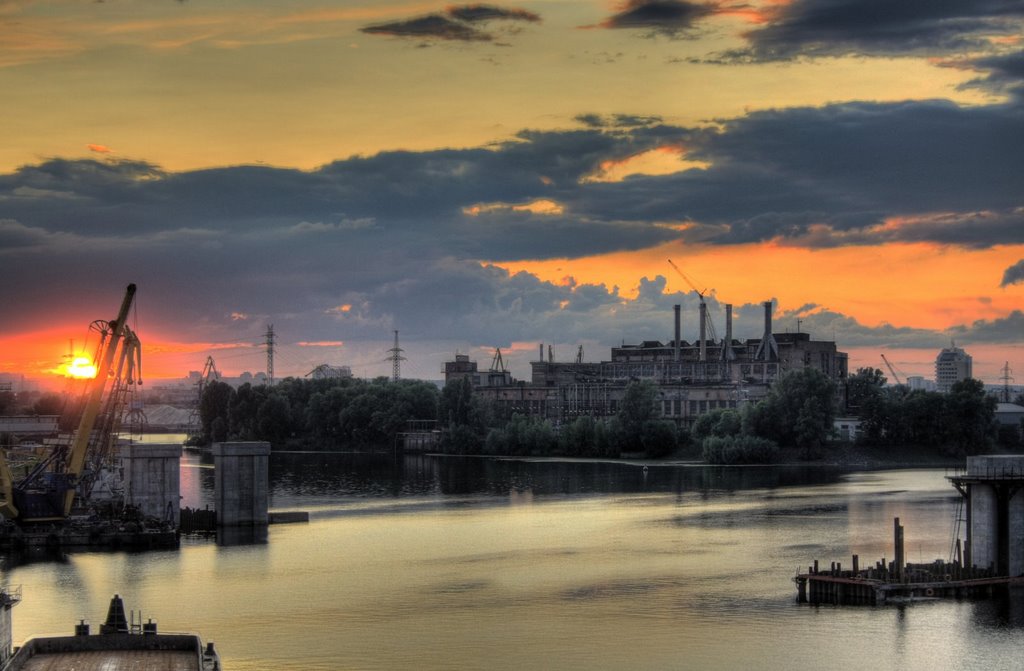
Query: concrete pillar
241,477
6,635
152,479
996,514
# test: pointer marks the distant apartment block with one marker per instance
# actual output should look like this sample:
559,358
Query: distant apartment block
920,383
952,365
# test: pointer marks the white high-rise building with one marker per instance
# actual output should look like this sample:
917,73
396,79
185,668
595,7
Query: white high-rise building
952,365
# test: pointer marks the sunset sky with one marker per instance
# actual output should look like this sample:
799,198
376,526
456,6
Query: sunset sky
503,175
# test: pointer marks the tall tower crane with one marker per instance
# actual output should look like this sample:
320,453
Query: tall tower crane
707,328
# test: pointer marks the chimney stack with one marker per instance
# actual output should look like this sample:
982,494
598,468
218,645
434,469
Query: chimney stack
768,350
703,331
727,353
676,346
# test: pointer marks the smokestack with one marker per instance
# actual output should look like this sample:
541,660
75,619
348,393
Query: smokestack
541,357
675,351
703,331
768,349
727,353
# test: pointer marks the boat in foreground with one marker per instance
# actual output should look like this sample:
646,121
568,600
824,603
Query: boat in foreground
120,644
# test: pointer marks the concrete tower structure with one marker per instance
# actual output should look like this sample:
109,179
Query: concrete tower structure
952,365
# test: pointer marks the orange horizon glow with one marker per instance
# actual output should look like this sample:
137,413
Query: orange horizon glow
920,285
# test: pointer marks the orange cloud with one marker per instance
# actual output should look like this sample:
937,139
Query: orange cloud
321,343
99,148
539,206
923,285
664,160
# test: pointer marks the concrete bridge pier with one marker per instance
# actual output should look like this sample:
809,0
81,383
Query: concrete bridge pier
152,474
993,489
241,483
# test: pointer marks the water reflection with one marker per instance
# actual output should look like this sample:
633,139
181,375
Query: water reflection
388,475
468,563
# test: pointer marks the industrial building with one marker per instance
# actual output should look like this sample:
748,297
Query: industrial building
692,378
951,366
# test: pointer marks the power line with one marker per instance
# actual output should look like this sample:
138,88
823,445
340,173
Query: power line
396,358
270,354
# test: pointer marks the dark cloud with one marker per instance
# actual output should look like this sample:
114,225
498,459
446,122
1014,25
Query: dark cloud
480,13
880,27
1005,74
617,120
433,26
1002,330
457,23
399,237
1013,275
666,17
855,173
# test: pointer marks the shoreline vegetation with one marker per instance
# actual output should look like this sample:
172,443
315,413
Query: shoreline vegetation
792,424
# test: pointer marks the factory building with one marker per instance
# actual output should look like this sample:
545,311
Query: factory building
951,366
692,378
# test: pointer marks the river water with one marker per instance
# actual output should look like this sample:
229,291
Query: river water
422,562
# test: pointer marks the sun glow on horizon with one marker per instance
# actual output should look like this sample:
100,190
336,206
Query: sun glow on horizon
80,368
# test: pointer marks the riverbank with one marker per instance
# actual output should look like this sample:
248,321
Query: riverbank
847,454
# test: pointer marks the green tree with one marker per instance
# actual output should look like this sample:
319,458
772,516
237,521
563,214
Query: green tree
970,417
798,410
635,410
863,387
213,405
717,422
273,419
658,438
457,403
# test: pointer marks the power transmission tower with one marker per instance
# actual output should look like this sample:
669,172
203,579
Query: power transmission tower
1006,382
396,358
270,354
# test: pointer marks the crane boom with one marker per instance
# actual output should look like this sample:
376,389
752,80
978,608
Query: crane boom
700,294
80,443
892,370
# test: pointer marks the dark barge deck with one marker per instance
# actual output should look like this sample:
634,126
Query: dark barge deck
849,589
898,581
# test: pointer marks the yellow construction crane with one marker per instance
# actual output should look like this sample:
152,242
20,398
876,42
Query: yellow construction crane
48,491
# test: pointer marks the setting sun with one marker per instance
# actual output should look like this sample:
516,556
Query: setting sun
81,368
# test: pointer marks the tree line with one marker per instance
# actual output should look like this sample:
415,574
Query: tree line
958,423
796,413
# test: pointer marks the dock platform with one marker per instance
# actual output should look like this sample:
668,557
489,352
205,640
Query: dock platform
898,581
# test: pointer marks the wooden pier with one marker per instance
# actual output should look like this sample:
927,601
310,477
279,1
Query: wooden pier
897,581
